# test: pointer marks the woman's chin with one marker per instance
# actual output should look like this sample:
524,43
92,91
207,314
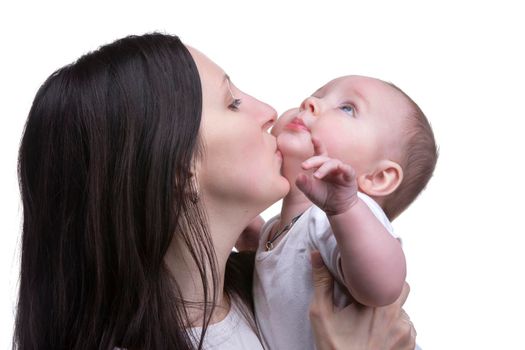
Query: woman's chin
283,187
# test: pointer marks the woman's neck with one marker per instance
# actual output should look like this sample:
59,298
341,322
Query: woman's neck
224,227
185,272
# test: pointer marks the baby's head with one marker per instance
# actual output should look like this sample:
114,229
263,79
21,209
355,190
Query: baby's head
371,125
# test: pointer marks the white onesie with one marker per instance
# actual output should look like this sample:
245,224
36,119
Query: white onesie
283,277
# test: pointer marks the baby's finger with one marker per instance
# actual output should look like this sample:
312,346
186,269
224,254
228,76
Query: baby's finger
314,162
304,184
347,171
330,166
319,149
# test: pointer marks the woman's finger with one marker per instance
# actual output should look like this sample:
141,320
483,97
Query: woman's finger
404,295
323,284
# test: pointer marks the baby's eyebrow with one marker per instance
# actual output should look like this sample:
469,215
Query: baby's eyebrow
361,97
317,92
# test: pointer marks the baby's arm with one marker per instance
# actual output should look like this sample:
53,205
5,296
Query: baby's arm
372,260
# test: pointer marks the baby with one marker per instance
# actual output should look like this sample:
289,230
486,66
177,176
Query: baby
360,150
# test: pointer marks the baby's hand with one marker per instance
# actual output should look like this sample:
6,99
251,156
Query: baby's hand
333,185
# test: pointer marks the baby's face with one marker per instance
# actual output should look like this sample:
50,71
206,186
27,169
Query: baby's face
360,121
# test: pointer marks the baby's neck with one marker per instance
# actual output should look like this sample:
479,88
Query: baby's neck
295,203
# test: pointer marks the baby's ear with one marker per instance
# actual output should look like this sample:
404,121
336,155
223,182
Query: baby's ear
384,180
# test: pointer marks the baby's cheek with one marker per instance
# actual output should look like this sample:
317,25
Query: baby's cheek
279,127
334,139
276,130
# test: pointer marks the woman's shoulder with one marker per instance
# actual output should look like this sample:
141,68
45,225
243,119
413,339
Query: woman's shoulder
231,333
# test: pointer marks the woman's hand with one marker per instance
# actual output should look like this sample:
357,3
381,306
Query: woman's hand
356,326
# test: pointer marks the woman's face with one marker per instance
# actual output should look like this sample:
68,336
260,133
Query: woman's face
240,167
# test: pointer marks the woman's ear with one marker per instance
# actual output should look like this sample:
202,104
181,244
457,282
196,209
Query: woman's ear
194,181
384,180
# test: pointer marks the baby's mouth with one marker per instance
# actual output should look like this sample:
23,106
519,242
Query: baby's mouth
297,124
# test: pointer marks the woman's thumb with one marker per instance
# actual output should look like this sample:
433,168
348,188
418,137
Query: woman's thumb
323,283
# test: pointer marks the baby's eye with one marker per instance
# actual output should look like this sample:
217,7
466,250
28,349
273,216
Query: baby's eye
349,109
234,106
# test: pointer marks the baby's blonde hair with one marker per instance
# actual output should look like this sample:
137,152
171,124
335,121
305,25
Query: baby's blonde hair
420,154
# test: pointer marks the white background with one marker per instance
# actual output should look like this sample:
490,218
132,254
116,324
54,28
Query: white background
462,62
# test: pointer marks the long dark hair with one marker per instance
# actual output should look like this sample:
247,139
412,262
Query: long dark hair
105,172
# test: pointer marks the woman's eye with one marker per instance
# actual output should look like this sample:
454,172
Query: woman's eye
234,106
349,109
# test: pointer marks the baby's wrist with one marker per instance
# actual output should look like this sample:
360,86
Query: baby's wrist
343,208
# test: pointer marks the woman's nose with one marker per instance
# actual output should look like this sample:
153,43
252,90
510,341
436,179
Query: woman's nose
270,120
269,116
311,104
265,115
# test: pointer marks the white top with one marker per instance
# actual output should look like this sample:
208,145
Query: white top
232,333
283,277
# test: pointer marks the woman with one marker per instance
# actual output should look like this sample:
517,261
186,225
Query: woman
136,171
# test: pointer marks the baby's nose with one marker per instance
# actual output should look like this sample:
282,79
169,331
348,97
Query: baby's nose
311,104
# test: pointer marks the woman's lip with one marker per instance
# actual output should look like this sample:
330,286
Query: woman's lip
297,124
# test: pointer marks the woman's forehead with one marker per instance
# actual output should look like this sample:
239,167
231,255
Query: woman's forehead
209,71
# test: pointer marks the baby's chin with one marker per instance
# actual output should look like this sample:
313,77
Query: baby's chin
295,145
